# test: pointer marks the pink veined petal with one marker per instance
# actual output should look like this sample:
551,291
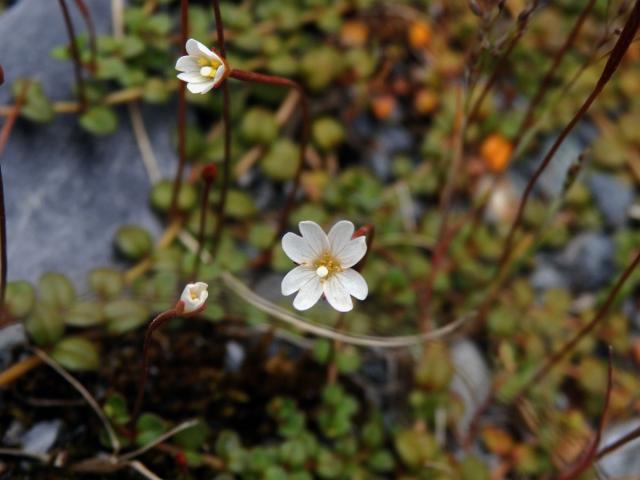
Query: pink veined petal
193,77
295,279
315,237
337,295
202,87
187,64
296,248
354,283
218,75
308,295
353,252
340,235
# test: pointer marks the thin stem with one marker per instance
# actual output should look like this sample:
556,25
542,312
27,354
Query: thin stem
208,175
290,200
568,347
550,74
182,114
226,122
523,20
590,455
77,62
1,75
156,323
620,48
93,44
444,237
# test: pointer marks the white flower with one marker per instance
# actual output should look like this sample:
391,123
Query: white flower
325,266
201,68
193,297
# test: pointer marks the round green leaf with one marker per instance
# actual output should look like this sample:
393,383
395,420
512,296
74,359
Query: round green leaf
106,282
20,298
45,325
99,120
124,315
133,242
76,353
84,314
56,290
163,190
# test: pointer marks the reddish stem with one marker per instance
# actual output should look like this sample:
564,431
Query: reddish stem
620,48
77,62
590,455
290,200
208,176
156,323
88,20
182,114
226,123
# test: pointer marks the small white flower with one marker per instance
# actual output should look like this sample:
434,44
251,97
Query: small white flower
324,266
193,297
201,68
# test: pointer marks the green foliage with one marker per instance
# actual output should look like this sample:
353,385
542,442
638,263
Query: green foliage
77,353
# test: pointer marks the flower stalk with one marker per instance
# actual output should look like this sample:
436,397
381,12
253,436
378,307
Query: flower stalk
208,175
192,302
91,29
181,113
75,54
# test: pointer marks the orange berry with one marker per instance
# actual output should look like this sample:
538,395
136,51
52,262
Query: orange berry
496,151
383,106
419,35
354,33
426,101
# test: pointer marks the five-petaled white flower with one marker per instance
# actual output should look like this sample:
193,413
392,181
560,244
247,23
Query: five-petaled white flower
325,266
193,297
201,68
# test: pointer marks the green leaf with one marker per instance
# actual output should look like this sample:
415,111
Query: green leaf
84,314
322,350
259,126
115,408
240,204
56,291
149,427
415,448
106,282
99,120
20,298
348,360
281,161
133,242
327,133
76,353
162,192
36,107
45,325
193,438
124,315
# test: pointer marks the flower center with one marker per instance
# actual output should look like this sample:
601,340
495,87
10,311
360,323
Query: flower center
208,66
207,72
326,266
194,295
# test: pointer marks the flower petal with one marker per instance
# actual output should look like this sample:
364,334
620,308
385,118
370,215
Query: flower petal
193,47
315,237
187,64
218,75
308,295
340,235
295,279
296,248
337,295
192,77
201,87
354,283
353,252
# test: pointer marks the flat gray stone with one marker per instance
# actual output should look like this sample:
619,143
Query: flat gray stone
66,191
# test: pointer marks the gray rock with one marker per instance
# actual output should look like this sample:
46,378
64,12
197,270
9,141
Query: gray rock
40,438
588,261
553,178
547,277
624,462
613,197
472,380
66,191
234,356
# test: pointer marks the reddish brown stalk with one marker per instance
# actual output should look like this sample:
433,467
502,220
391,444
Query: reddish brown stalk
155,324
568,347
182,114
444,237
1,75
620,48
93,45
208,176
75,54
523,20
226,123
290,200
590,455
551,72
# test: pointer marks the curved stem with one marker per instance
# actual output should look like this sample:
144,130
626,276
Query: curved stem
204,208
77,63
226,123
290,200
182,114
93,45
155,324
